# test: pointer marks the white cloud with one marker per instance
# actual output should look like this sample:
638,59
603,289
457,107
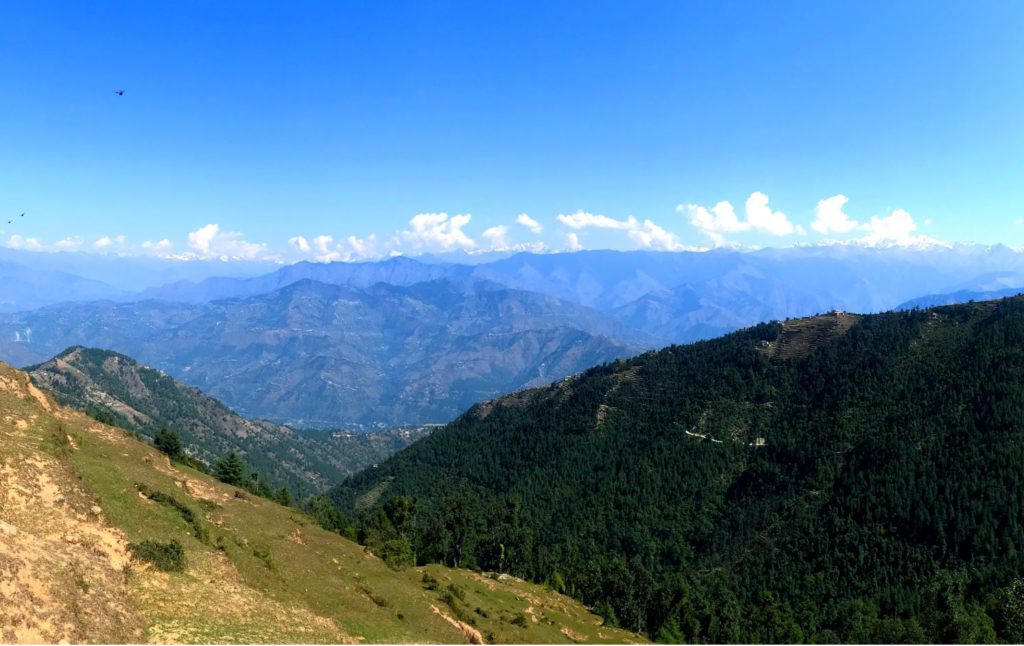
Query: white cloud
362,248
762,218
497,236
73,243
721,218
210,242
582,220
829,216
106,242
30,244
162,245
525,220
437,232
896,228
299,243
646,234
573,242
322,245
201,239
651,236
324,248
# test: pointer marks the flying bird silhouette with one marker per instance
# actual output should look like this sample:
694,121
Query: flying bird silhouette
119,92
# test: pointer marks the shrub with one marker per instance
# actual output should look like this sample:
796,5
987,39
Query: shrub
377,599
397,554
456,591
263,554
168,557
102,416
283,497
190,517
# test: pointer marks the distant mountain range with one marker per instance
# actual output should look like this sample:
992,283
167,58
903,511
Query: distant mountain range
144,399
321,355
26,288
675,297
962,296
409,340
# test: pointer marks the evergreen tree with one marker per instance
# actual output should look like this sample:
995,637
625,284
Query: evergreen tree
231,470
283,497
168,442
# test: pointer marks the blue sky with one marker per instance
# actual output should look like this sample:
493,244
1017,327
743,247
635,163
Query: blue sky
249,124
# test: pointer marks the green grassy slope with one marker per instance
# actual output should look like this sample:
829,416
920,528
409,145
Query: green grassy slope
75,496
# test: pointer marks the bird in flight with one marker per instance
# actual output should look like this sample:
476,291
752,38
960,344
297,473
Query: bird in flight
119,92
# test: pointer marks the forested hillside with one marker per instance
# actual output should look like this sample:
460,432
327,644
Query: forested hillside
838,478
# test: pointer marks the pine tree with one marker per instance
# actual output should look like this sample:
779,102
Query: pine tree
283,497
230,469
168,442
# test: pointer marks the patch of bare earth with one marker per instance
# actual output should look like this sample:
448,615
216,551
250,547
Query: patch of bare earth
62,569
473,636
573,635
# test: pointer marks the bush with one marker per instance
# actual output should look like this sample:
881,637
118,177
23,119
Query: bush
198,528
168,557
263,554
456,591
397,554
102,416
283,497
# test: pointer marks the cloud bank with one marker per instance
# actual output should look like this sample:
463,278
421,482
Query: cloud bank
439,232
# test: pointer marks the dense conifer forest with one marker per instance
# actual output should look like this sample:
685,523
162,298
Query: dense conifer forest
841,478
